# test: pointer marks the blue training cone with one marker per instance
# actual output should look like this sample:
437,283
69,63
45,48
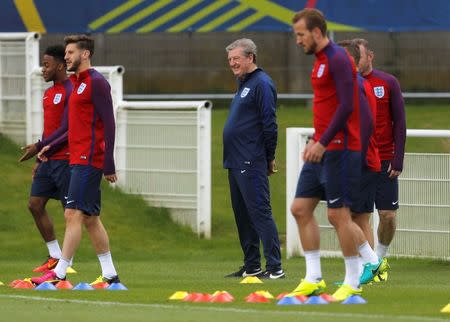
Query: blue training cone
83,287
117,287
354,299
46,286
315,300
289,300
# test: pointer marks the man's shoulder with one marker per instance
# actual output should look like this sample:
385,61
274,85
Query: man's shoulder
385,76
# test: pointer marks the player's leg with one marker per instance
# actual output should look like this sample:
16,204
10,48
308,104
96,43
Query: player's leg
254,187
100,242
342,176
387,203
42,189
307,196
248,236
369,263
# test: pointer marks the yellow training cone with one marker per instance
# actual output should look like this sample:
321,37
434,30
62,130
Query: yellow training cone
446,309
179,295
266,294
251,280
1,284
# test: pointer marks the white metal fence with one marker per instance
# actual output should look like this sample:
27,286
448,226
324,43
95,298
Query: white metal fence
423,220
19,54
163,152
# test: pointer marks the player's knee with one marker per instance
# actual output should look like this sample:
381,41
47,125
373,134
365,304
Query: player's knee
36,207
71,215
299,211
387,215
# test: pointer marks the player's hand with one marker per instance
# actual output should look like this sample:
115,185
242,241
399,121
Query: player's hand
30,151
111,177
307,148
315,153
41,155
272,168
34,169
393,173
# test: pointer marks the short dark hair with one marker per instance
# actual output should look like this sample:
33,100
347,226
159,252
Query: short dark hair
313,18
57,52
82,42
352,48
363,42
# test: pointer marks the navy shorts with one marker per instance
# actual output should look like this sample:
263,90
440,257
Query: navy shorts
387,189
368,187
84,190
336,179
51,180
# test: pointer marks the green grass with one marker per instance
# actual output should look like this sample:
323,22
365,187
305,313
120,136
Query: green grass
156,257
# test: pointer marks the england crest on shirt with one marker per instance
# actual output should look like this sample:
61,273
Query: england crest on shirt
81,88
57,98
320,70
378,91
245,91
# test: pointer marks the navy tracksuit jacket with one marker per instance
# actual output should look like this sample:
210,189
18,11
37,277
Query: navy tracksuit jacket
249,143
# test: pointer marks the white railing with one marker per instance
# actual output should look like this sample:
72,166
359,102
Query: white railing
19,54
423,220
163,153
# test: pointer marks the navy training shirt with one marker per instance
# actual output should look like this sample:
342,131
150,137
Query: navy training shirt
250,132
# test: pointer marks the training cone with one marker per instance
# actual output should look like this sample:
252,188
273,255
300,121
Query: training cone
328,297
83,287
446,309
289,300
222,297
314,300
14,283
23,284
46,286
354,299
64,285
178,295
117,287
302,298
266,294
191,297
251,280
281,295
223,294
1,283
204,298
256,298
101,285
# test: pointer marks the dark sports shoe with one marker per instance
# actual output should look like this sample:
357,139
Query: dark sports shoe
102,279
273,274
244,272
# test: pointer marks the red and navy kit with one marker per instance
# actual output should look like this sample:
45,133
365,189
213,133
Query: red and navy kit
55,105
336,101
337,127
368,112
391,122
91,122
51,178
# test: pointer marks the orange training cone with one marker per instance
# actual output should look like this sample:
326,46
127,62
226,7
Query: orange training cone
64,285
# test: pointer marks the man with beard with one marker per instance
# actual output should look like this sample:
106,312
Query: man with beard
332,156
91,144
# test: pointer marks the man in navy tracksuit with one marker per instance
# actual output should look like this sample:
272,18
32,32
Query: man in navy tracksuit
249,142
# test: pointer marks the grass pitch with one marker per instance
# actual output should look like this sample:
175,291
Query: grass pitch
155,257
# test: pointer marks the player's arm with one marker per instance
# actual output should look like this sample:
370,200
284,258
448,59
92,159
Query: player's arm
397,107
48,150
101,98
342,72
266,100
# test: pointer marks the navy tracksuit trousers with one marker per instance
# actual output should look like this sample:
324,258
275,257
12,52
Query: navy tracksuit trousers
250,198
